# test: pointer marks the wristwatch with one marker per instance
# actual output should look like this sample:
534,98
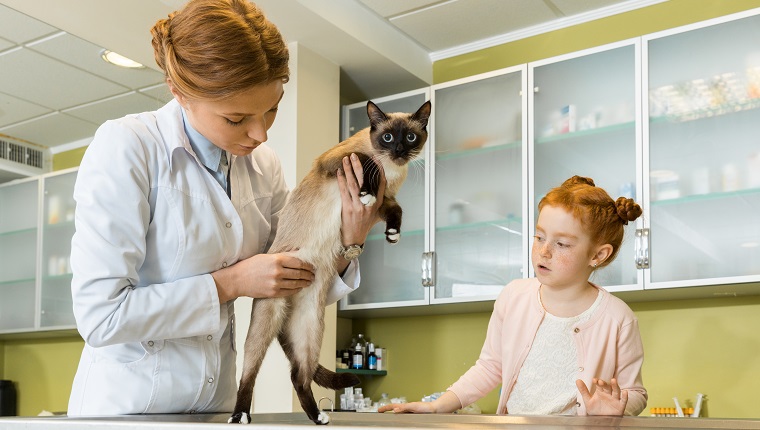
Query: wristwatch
351,252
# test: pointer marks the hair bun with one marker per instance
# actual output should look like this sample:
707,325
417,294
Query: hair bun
578,180
627,209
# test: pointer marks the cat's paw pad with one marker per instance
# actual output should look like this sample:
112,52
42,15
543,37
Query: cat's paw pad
323,418
392,235
240,418
367,199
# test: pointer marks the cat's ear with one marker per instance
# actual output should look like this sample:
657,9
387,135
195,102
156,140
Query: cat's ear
375,115
423,113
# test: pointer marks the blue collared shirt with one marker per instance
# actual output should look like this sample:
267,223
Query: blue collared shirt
208,153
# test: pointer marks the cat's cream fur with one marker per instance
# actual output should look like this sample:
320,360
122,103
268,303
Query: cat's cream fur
310,223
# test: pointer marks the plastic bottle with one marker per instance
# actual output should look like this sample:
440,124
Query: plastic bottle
384,400
361,341
371,357
380,361
358,362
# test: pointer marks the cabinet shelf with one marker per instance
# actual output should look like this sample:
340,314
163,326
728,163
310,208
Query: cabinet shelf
364,372
478,151
17,281
717,111
623,126
707,197
15,232
59,225
477,225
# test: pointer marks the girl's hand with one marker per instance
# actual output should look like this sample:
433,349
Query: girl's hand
604,398
414,407
264,275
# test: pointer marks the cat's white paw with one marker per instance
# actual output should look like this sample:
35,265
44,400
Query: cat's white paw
367,199
244,418
323,418
392,235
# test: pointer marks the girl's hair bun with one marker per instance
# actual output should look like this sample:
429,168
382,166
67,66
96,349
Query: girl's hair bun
578,180
627,209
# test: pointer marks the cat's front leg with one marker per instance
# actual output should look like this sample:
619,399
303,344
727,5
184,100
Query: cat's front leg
391,212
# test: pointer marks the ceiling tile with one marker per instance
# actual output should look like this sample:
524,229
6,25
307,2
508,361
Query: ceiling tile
388,8
115,107
53,130
19,28
13,110
5,44
159,92
86,56
39,79
464,21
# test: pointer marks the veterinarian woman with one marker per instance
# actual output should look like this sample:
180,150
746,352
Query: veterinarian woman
175,209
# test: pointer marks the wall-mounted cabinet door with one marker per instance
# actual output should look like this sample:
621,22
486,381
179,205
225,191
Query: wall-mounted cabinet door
19,203
57,231
586,116
703,161
479,188
391,273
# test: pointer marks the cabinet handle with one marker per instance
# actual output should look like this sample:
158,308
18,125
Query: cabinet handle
427,269
642,248
536,89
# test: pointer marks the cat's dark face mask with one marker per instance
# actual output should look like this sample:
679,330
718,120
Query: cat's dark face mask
400,137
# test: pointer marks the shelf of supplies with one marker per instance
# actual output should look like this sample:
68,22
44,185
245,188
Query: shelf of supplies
364,372
712,112
623,126
477,151
21,231
707,197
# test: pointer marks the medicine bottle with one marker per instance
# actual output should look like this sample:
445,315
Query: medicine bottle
358,362
371,357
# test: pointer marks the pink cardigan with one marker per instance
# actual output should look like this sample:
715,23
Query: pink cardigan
609,346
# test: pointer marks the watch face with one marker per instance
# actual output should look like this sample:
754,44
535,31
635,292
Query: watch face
352,251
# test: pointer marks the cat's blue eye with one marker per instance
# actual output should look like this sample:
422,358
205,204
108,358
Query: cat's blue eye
411,137
387,138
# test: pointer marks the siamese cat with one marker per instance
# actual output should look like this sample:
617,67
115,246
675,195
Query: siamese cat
310,223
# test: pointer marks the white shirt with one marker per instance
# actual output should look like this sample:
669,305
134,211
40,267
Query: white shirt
546,382
151,225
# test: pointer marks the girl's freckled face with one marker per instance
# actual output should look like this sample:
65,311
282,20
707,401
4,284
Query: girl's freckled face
561,248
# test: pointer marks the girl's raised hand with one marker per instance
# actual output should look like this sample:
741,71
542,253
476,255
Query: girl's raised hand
604,398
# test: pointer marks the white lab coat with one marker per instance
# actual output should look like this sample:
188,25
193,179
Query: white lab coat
151,224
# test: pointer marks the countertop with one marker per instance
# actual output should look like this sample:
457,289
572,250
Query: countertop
348,420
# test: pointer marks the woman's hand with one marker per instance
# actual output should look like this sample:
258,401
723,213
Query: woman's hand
604,398
264,275
356,218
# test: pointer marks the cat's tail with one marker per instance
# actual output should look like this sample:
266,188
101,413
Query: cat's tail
334,381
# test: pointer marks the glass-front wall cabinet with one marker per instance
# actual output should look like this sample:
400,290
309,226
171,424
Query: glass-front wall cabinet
19,203
479,190
57,231
391,273
36,226
585,114
703,134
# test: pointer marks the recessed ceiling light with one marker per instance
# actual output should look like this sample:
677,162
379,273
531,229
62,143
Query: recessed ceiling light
750,245
119,60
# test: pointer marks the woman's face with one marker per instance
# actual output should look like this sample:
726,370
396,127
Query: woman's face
562,250
236,124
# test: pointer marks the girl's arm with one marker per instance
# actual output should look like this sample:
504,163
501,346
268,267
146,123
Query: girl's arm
445,404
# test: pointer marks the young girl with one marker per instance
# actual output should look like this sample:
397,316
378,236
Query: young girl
557,343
